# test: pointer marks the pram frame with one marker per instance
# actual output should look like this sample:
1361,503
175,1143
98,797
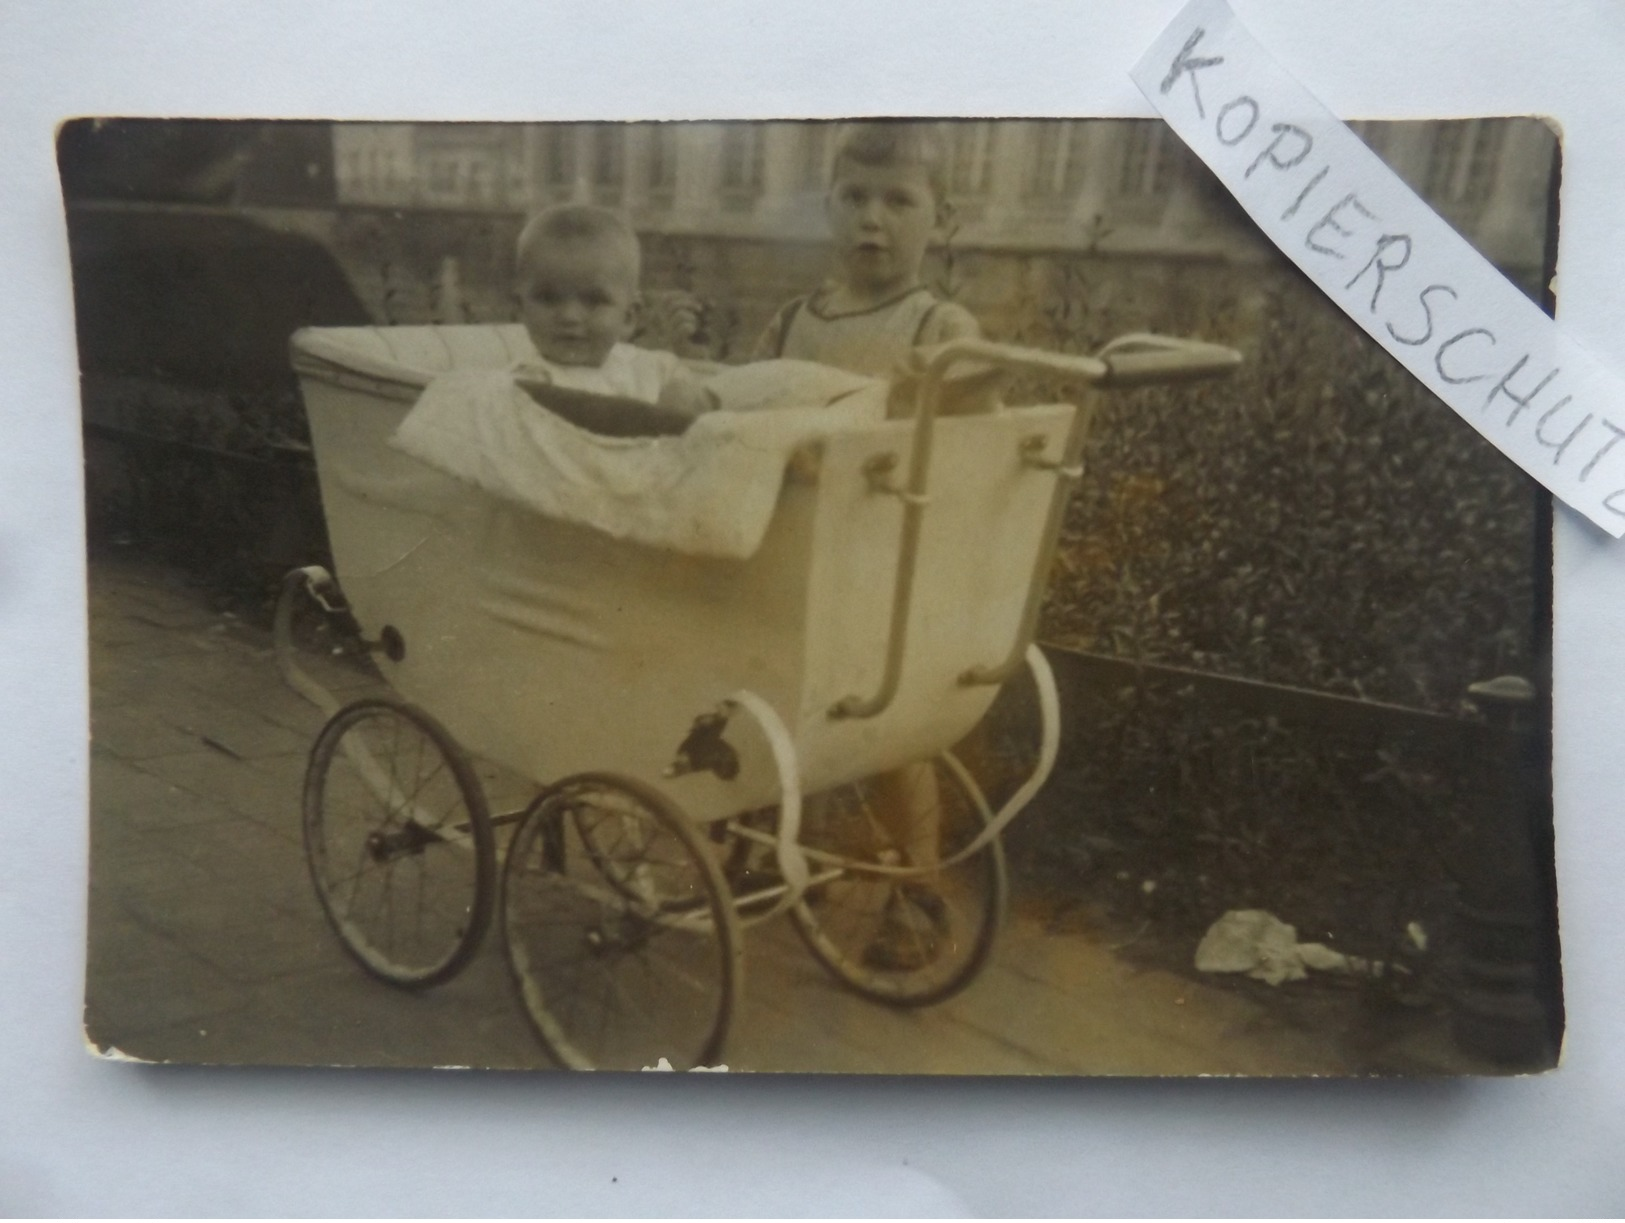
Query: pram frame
800,867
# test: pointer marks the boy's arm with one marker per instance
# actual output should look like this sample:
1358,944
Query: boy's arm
971,387
947,321
770,344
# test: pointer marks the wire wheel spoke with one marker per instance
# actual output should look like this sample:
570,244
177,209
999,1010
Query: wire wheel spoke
383,783
911,938
622,941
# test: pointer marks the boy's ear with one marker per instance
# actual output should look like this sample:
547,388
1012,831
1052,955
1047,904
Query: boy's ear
945,217
634,317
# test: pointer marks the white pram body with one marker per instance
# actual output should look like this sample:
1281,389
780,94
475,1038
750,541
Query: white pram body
552,648
886,585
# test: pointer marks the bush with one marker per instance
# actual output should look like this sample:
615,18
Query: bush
1319,519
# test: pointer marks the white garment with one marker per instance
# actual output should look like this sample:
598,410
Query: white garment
628,371
709,492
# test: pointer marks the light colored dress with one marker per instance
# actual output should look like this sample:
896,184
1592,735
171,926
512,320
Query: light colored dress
870,341
628,372
874,342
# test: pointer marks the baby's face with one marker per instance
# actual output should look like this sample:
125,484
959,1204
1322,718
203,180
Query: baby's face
577,301
882,219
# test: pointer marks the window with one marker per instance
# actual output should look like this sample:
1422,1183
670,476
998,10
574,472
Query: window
608,162
442,176
742,157
558,159
477,184
1055,166
1484,162
972,169
1444,160
1149,160
1464,162
815,156
660,164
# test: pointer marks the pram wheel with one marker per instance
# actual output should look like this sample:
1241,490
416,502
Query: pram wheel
914,939
620,934
399,843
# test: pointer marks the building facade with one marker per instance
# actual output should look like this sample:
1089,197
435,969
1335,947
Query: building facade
1116,186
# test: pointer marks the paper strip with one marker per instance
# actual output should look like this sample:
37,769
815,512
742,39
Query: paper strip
1391,262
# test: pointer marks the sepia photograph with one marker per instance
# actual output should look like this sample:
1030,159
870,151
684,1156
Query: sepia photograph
876,596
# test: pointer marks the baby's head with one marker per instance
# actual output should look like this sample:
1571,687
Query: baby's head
577,278
887,201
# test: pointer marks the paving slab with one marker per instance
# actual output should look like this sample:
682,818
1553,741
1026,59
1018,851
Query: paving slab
121,677
260,945
137,731
207,943
122,949
233,782
127,1007
245,859
231,724
122,793
798,1018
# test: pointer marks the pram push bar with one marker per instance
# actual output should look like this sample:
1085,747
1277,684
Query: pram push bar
1129,361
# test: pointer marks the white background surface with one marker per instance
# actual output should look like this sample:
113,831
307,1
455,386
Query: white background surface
81,1136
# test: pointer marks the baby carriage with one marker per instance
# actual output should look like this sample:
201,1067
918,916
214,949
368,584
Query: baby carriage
701,734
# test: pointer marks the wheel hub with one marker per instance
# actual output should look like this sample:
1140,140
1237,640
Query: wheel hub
411,838
618,935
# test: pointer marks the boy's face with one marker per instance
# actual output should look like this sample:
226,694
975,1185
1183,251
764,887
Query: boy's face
882,219
577,301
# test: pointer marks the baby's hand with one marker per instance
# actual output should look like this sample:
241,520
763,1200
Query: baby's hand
530,379
688,397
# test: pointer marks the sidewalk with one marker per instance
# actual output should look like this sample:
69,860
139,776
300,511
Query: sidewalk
207,943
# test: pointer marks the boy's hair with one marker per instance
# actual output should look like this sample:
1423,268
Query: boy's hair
916,143
579,224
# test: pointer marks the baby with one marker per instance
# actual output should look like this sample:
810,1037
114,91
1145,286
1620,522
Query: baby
577,279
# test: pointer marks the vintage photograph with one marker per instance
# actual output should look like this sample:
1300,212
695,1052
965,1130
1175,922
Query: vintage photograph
878,596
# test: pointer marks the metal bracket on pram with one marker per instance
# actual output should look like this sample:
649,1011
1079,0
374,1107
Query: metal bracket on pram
914,495
704,750
318,585
879,472
1033,452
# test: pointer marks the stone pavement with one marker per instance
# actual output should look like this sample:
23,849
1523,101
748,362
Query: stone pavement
207,943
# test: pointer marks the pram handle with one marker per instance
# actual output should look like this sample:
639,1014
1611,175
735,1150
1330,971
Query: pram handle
1139,359
1144,359
940,359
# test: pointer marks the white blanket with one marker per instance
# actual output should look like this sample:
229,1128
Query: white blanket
709,492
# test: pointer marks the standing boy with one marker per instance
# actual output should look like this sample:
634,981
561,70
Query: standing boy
887,203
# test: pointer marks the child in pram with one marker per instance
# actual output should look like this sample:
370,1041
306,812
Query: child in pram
577,278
